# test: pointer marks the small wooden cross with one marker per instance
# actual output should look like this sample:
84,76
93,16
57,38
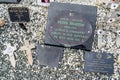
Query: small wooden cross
118,39
27,47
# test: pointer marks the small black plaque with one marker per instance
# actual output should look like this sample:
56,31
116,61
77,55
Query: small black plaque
99,62
70,25
49,55
19,14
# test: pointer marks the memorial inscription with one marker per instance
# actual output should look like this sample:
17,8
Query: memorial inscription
70,30
19,14
99,62
71,25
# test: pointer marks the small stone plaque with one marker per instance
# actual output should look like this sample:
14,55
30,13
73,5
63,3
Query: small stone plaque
49,55
19,14
71,25
99,62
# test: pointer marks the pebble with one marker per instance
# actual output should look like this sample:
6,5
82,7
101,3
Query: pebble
2,22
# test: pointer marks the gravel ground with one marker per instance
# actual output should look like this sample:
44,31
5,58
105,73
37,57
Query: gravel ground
71,67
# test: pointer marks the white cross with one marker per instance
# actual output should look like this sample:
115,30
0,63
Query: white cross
27,47
118,39
9,50
100,38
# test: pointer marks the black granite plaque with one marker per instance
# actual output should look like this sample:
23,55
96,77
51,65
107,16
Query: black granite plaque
49,55
70,25
99,62
19,14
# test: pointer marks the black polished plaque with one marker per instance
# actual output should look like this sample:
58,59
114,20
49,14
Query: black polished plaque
70,29
70,25
99,62
49,55
19,14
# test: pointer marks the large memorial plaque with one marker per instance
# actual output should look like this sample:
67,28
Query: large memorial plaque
69,26
19,14
99,62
